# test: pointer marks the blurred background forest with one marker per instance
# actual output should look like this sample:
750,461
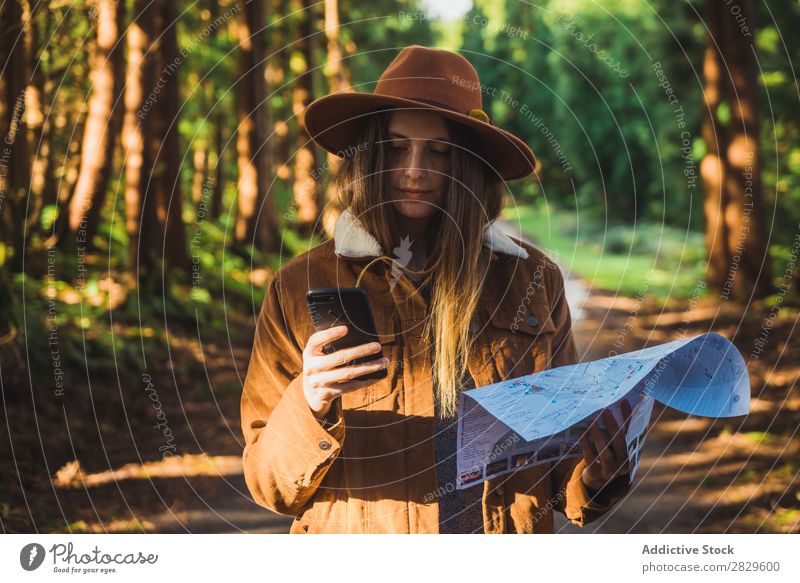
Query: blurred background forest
154,172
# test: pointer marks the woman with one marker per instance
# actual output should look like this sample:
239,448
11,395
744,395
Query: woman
459,304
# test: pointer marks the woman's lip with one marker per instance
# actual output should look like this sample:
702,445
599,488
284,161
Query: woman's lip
414,193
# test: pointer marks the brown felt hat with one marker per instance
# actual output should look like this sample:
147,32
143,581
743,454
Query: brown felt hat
421,77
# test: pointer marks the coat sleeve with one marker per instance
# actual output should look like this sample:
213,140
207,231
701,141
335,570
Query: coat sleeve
570,495
287,450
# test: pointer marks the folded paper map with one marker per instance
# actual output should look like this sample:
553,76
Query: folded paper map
539,418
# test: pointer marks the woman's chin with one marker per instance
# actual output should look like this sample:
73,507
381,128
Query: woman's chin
415,209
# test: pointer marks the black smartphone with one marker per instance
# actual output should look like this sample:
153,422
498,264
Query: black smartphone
331,307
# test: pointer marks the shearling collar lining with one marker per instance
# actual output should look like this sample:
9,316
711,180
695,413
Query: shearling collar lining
351,239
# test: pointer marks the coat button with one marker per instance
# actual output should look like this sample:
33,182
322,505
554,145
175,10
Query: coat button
533,321
324,444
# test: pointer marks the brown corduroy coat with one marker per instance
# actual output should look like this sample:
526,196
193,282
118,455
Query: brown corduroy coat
373,469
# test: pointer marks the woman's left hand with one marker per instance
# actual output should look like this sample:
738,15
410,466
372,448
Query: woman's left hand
606,454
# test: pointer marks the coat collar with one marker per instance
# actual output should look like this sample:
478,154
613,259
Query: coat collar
352,240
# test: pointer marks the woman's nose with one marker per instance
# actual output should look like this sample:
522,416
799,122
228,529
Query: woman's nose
416,164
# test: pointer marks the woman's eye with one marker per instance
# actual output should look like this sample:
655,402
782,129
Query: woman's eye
441,152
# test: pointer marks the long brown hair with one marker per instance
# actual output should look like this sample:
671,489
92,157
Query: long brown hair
457,262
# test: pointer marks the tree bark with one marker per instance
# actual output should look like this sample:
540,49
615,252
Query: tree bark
304,189
167,166
247,182
712,165
745,219
141,220
738,252
265,224
200,172
280,136
336,70
38,133
255,221
12,81
219,168
102,125
218,156
14,156
338,76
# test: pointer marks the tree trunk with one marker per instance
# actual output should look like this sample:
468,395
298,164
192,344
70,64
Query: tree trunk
745,219
255,221
304,190
38,133
102,125
247,183
167,166
738,254
338,76
712,166
216,164
265,224
141,221
14,160
336,70
219,167
11,83
281,97
199,173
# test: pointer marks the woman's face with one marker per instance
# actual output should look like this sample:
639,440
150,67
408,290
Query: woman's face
418,162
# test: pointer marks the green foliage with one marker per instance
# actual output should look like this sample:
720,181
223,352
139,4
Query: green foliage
575,79
779,51
662,261
376,31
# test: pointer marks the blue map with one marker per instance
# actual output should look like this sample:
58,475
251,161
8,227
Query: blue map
545,411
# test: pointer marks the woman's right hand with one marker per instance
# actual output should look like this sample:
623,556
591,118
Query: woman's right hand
323,381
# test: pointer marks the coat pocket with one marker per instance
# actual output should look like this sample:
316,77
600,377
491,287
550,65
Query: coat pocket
521,340
304,523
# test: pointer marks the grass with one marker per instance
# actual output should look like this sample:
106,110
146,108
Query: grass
650,259
759,437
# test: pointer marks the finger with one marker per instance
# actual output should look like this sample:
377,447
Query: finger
343,356
611,422
627,413
346,373
319,339
588,453
625,465
619,449
353,385
339,389
603,452
592,471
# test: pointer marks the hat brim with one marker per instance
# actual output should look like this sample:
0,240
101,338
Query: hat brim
334,122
